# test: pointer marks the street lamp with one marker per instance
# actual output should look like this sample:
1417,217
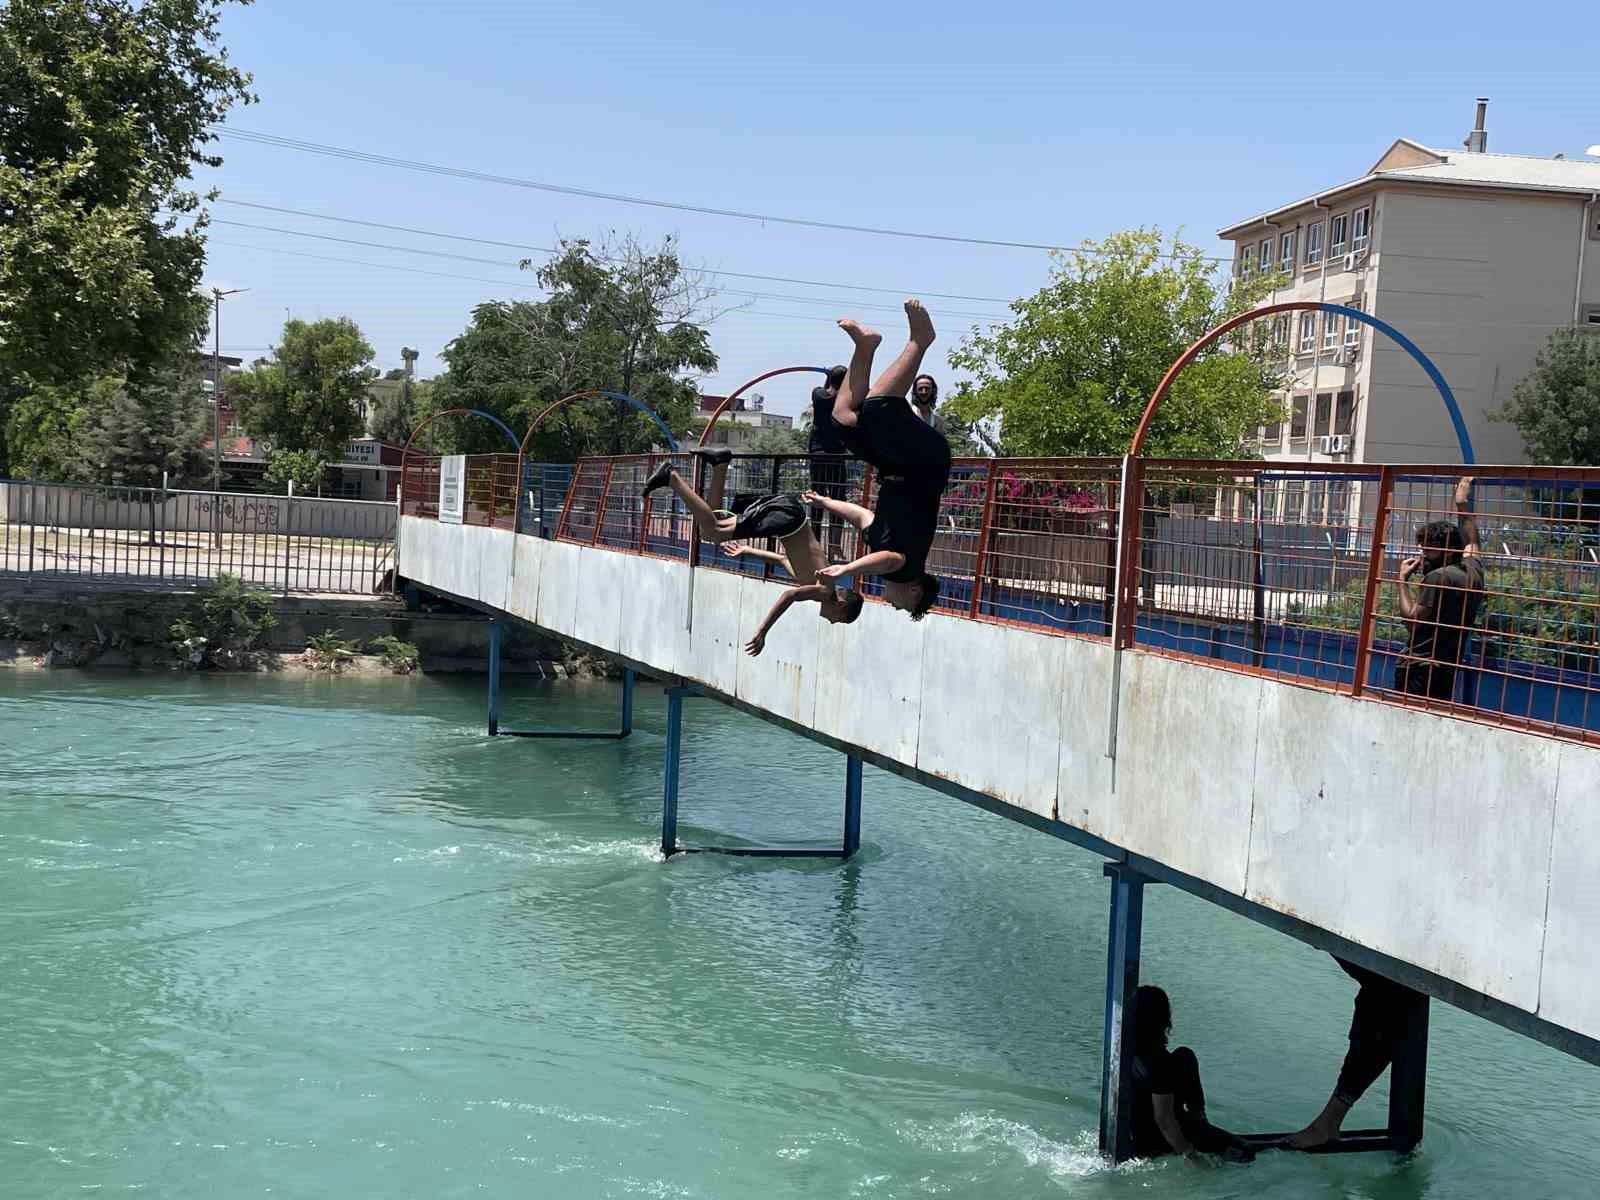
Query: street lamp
216,409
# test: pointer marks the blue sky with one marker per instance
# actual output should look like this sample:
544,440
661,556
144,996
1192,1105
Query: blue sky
1031,122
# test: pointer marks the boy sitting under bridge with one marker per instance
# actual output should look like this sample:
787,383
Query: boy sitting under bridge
782,515
912,462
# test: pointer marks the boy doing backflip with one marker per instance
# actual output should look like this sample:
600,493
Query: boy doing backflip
912,461
782,515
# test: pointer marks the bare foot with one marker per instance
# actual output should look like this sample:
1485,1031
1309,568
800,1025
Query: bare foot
860,334
1313,1135
921,323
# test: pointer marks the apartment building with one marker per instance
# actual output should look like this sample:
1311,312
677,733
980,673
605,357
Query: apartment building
741,425
1476,257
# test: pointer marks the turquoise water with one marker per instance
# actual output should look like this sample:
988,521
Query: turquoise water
321,938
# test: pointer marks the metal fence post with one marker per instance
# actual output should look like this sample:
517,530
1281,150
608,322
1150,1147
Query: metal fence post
980,561
1369,619
288,528
33,500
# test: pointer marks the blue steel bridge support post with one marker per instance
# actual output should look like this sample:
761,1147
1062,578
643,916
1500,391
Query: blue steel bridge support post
852,806
1122,980
494,678
669,772
627,702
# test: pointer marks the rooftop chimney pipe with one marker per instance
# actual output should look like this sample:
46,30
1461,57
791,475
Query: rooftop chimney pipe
1478,140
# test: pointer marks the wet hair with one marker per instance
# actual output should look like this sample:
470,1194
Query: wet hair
1442,535
930,593
852,606
1152,1019
932,382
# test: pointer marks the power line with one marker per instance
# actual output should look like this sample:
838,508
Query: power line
457,237
491,262
343,152
356,262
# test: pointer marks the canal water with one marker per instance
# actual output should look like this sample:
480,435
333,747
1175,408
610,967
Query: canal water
321,938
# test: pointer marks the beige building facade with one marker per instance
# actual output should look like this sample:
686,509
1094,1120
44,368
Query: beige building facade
1476,257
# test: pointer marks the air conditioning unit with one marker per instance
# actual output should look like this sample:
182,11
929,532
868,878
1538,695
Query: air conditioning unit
1338,443
1349,262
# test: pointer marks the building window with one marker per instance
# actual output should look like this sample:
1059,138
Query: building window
1244,261
1293,500
1280,331
1314,501
1331,329
1286,252
1324,414
1297,418
1338,232
1352,328
1314,244
1308,332
1272,436
1361,229
1344,414
1338,502
1264,259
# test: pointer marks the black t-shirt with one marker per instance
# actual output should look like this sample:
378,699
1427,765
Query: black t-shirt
1153,1075
904,519
824,437
1450,597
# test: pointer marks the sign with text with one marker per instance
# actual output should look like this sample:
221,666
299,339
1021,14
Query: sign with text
452,488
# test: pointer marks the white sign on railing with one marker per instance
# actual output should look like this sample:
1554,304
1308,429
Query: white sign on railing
452,488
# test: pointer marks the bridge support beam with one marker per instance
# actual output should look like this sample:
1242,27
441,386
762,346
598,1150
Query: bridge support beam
1122,981
669,772
626,725
1408,1076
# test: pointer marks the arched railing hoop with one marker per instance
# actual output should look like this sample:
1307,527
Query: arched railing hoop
1350,314
746,386
599,394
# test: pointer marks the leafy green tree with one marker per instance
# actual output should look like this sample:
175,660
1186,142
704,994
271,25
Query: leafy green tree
307,396
303,468
41,432
621,317
1556,406
778,441
1071,373
135,433
106,106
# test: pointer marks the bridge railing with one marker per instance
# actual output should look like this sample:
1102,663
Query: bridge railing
1286,570
490,488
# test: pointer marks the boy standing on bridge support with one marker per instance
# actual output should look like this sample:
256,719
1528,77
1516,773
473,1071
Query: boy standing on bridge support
781,515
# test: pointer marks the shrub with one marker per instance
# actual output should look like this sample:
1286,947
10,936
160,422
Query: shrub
225,627
400,657
330,650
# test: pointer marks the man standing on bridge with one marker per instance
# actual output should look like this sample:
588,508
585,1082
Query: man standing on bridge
1440,615
912,462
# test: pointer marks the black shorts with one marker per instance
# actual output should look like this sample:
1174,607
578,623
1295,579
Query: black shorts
768,516
899,443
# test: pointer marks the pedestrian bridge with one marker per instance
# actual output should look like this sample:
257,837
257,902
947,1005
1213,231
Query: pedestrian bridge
1165,663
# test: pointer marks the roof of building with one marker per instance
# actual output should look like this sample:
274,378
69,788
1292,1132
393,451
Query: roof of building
1411,162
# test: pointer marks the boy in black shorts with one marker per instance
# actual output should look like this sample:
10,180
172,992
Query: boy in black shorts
912,462
782,515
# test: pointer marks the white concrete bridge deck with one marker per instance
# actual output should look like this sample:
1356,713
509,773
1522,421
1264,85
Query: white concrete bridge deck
1460,858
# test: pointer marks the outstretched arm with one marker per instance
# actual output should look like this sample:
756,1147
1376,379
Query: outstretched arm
879,562
794,595
1465,521
854,513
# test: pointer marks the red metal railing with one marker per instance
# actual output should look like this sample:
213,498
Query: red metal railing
1290,571
489,489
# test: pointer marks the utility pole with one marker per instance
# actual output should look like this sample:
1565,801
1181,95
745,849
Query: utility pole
410,357
216,410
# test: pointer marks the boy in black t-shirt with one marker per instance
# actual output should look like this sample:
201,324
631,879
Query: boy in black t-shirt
1443,610
912,462
1169,1103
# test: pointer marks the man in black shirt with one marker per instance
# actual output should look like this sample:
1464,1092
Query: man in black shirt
1444,608
1169,1102
829,471
912,462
